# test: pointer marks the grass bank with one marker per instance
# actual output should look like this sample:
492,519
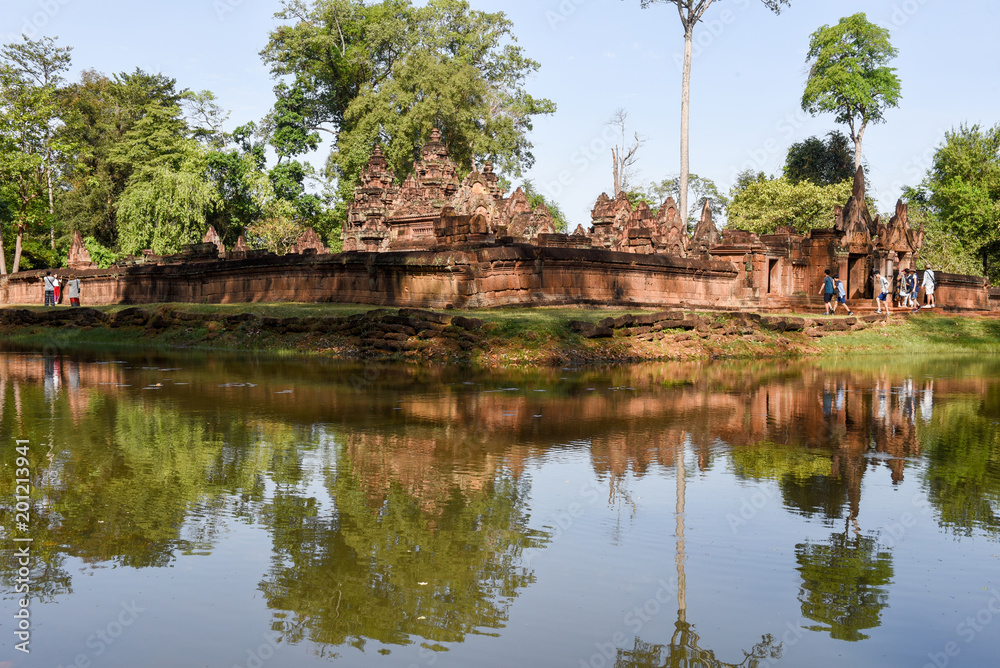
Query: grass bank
501,337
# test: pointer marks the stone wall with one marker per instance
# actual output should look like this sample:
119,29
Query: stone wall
486,276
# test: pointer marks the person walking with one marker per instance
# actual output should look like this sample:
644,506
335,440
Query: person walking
50,288
841,296
73,290
929,285
881,299
913,287
827,291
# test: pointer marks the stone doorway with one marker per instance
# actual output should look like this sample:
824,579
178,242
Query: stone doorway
857,276
772,276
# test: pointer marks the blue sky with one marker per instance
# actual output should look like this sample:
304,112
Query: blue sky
596,56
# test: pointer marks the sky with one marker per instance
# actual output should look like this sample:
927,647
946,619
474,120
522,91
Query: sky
597,56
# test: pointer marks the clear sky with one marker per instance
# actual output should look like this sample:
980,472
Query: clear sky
596,56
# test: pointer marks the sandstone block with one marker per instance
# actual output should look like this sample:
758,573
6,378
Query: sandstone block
470,324
626,320
599,332
429,316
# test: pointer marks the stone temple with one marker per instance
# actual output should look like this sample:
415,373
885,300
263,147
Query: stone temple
433,210
435,240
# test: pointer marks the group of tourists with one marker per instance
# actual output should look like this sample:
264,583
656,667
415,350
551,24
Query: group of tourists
53,288
905,294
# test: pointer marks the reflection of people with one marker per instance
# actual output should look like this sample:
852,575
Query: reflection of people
50,289
73,290
927,402
827,291
881,299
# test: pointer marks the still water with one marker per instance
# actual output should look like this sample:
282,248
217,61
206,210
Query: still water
234,511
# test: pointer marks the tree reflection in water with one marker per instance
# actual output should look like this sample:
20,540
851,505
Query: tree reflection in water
844,583
683,649
398,566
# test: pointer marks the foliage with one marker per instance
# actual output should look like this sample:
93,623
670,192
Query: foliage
763,206
163,209
700,190
390,72
963,192
29,108
942,248
102,116
277,233
99,255
822,163
537,199
849,75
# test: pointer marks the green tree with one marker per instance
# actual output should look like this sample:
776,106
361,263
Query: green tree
700,190
390,72
963,188
167,199
763,206
101,115
691,12
29,110
822,163
849,75
942,247
41,63
536,199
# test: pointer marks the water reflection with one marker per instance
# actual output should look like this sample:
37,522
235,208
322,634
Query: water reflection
844,582
399,503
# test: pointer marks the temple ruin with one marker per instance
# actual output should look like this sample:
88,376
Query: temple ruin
435,240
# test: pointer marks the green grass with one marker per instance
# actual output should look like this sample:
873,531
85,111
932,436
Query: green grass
922,334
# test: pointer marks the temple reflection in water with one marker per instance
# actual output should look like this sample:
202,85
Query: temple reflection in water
399,504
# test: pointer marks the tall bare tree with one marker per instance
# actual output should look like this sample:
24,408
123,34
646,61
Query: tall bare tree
691,12
623,157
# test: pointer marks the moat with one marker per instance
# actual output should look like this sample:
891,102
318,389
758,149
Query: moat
210,510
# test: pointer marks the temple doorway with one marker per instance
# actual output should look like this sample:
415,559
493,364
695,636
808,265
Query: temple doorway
857,276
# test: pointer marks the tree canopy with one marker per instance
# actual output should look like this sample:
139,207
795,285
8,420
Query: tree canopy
959,201
761,206
849,75
389,72
823,163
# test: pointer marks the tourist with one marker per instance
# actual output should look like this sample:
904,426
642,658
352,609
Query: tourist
881,299
841,296
929,285
913,287
827,291
50,288
73,290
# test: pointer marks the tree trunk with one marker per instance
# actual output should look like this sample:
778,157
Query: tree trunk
3,258
617,175
52,209
857,145
17,250
685,122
